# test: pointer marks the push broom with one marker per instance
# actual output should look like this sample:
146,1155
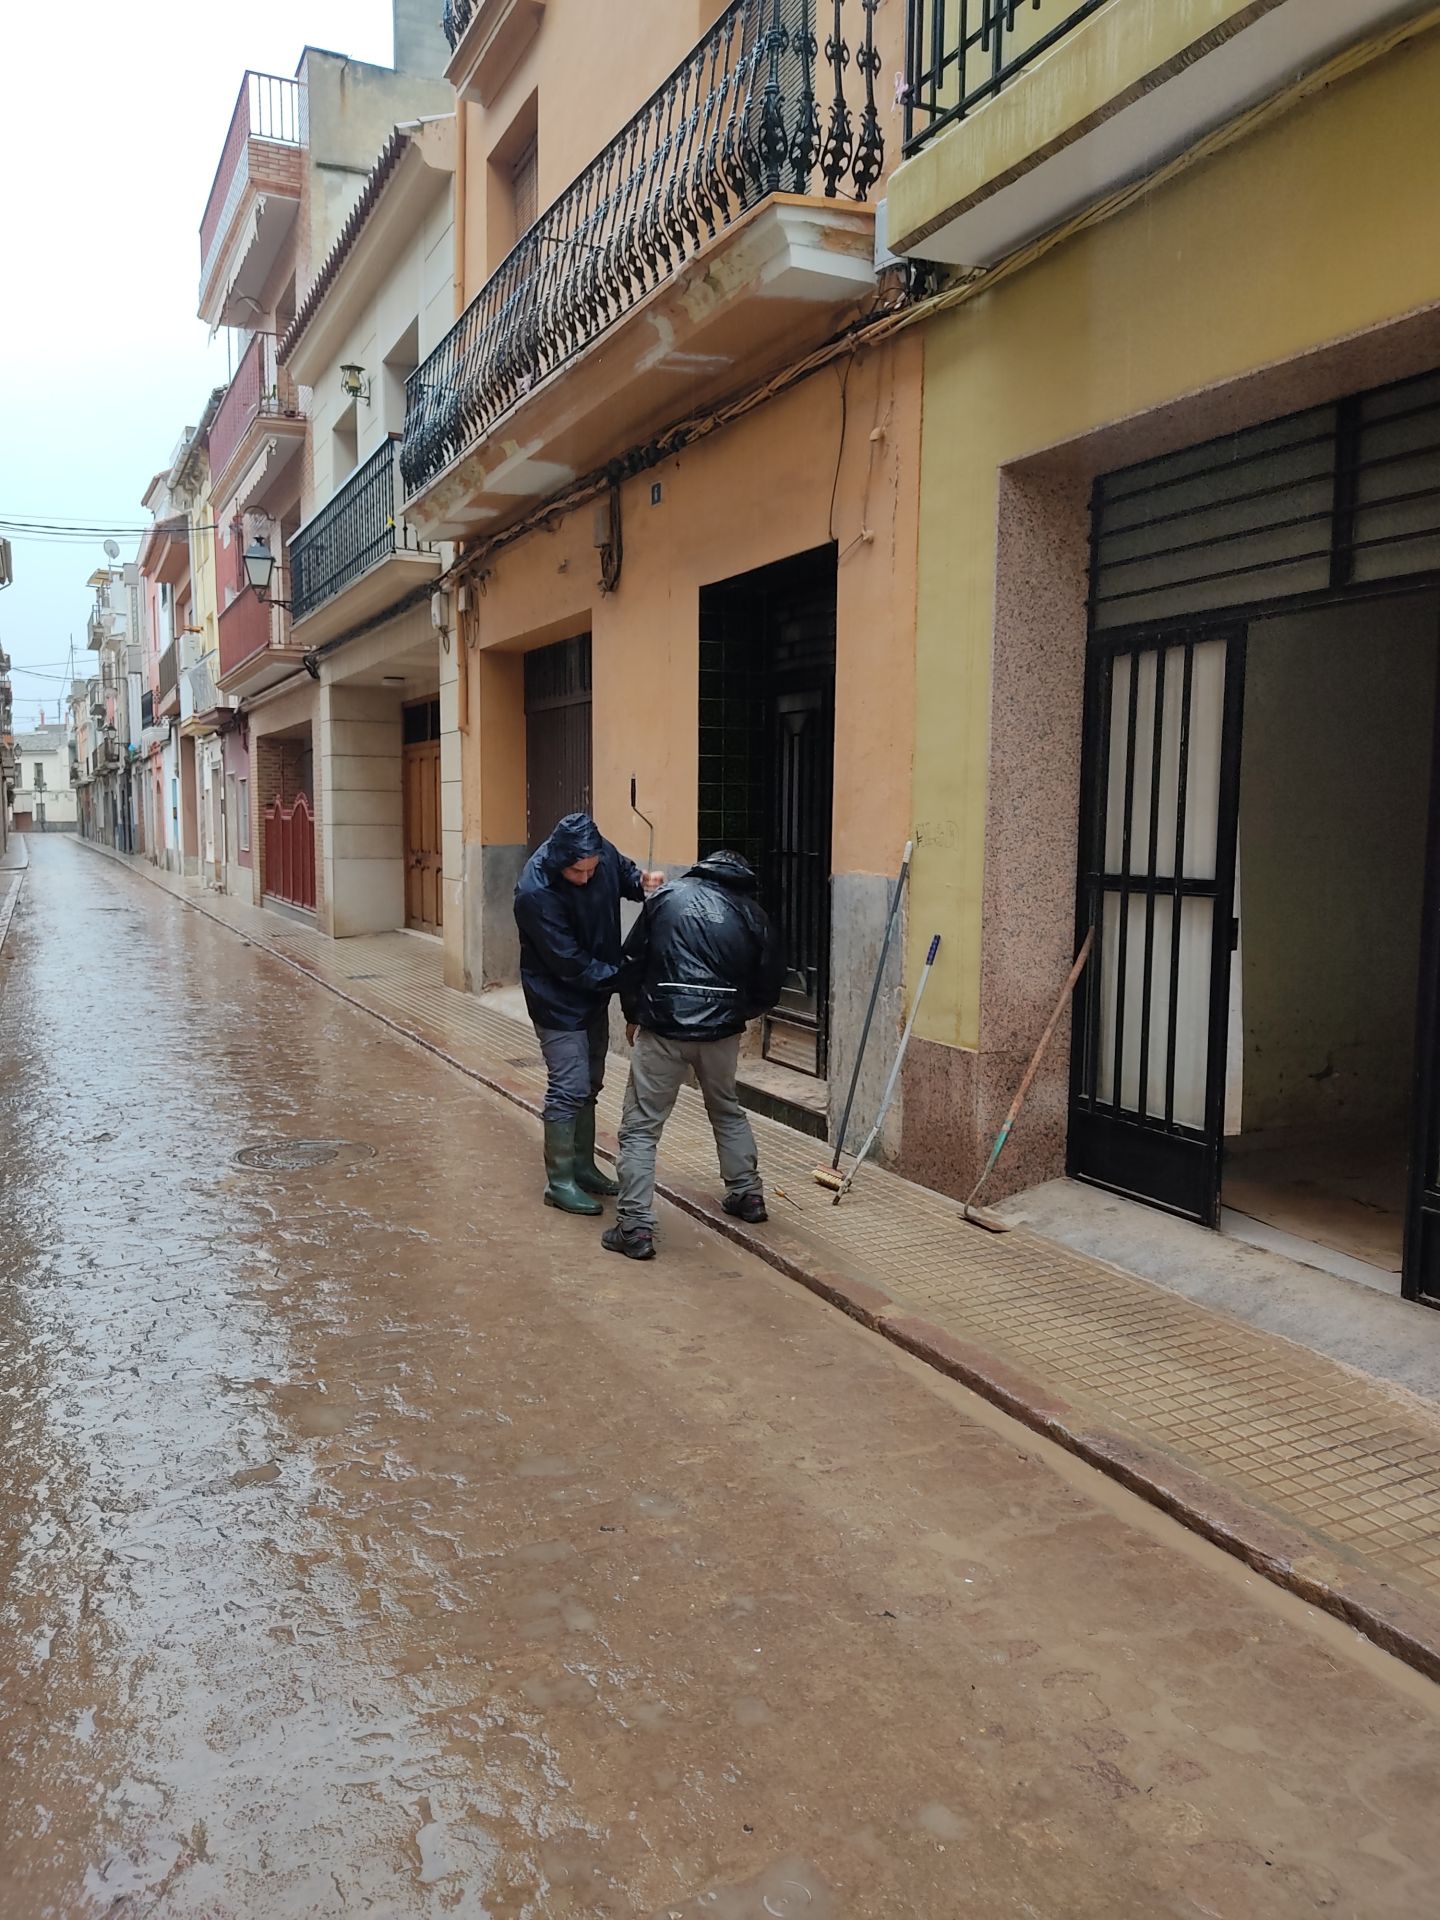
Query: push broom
982,1216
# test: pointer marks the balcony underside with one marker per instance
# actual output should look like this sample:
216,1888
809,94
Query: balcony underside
264,459
1118,96
763,293
245,255
380,587
266,668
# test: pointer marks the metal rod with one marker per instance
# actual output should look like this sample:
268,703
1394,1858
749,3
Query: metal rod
889,1092
901,879
650,851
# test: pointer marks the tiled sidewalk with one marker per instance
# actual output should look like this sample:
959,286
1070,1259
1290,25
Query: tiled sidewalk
1320,1477
13,863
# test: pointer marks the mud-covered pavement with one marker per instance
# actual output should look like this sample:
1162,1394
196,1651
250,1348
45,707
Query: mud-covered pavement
373,1543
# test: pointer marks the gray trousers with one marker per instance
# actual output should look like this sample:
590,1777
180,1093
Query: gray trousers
657,1073
575,1064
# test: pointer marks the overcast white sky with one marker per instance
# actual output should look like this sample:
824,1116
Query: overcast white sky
111,124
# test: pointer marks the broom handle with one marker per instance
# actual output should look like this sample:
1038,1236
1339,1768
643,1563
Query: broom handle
874,998
1034,1067
889,1092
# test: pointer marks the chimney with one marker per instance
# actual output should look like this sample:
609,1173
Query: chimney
420,44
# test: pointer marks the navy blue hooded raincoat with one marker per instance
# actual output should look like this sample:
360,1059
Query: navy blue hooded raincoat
569,935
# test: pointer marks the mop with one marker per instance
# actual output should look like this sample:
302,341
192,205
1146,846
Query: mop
982,1216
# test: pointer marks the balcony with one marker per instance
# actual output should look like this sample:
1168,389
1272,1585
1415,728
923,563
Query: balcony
202,706
487,38
720,235
1021,113
259,419
254,198
358,555
147,709
167,700
255,648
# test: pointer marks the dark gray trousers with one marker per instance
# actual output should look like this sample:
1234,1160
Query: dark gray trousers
575,1063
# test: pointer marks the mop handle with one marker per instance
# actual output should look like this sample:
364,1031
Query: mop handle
874,997
888,1094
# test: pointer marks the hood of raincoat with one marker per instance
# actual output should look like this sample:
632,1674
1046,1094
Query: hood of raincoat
725,869
703,958
576,837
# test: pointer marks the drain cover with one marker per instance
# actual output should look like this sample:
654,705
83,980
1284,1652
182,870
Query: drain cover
294,1156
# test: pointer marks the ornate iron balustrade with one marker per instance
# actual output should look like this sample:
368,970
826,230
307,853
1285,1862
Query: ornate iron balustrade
358,526
962,52
761,106
455,18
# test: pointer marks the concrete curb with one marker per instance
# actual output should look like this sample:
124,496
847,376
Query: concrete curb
1271,1546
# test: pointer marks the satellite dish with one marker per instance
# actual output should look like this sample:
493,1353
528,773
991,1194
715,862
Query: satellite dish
112,549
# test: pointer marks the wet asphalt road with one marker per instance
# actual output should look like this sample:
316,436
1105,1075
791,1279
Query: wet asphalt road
371,1543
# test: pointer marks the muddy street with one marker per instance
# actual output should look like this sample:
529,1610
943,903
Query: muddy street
372,1542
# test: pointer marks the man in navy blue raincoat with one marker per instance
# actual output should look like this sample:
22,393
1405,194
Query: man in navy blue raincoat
567,907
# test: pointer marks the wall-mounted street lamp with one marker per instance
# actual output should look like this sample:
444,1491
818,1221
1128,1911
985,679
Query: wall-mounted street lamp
352,379
260,570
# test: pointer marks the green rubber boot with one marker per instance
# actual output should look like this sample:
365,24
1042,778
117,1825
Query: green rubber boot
561,1189
588,1176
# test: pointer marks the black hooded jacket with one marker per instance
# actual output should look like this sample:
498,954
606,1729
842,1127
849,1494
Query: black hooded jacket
569,935
702,960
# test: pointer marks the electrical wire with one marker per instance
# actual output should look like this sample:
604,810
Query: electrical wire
840,449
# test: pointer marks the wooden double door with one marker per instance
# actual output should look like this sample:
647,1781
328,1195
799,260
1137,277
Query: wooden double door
424,895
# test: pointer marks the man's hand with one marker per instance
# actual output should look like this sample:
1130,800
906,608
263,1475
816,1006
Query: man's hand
630,1032
652,882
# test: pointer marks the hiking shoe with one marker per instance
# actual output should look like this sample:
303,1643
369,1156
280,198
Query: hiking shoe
636,1243
749,1207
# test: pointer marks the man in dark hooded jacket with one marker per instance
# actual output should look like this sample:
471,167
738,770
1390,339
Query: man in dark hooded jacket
567,907
701,962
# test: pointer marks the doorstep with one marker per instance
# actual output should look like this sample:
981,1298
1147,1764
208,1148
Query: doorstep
794,1099
1322,1477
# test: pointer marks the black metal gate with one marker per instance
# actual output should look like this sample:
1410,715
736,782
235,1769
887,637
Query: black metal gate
1157,873
557,735
767,770
1420,1274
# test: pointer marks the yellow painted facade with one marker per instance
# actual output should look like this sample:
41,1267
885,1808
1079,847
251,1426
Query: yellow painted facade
1318,228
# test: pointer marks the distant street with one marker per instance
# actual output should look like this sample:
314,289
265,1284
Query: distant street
373,1543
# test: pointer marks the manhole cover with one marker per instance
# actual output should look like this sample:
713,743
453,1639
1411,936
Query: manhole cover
294,1156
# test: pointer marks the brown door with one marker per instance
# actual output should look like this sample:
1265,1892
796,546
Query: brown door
422,836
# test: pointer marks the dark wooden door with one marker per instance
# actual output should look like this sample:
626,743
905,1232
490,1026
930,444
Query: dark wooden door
557,735
424,908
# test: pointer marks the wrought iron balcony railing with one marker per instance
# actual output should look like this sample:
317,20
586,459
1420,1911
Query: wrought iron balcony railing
360,525
961,53
455,18
762,105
